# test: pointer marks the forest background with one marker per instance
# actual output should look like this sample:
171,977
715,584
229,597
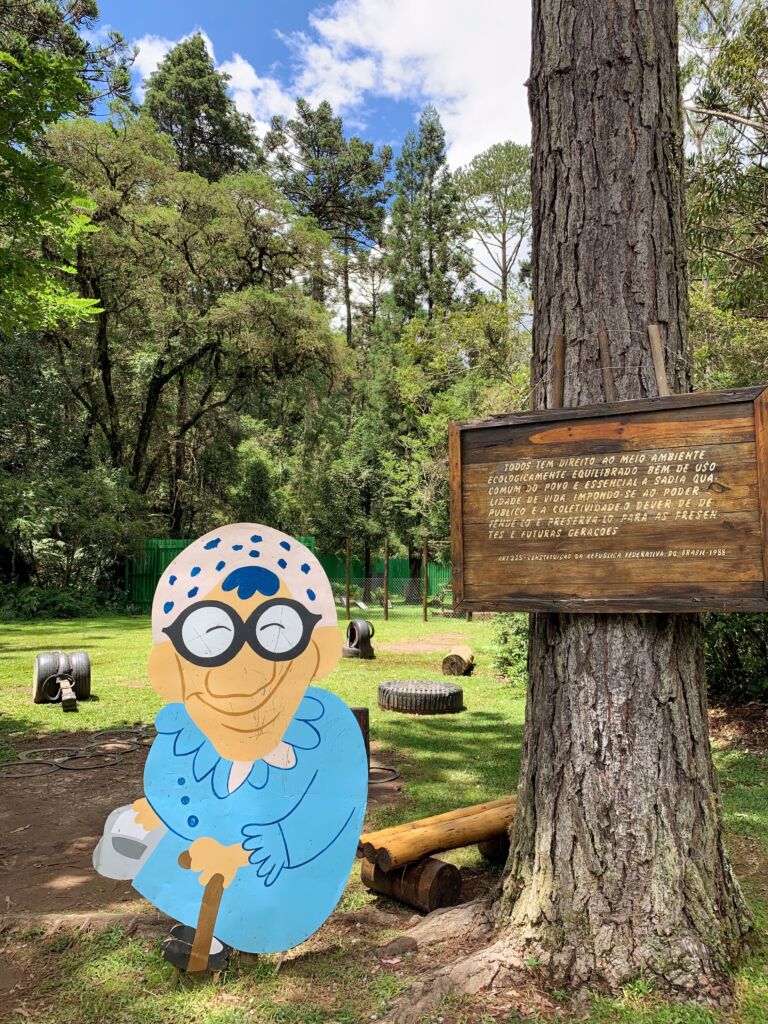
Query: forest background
199,325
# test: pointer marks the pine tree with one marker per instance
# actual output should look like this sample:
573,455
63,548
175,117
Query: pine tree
428,258
337,181
187,99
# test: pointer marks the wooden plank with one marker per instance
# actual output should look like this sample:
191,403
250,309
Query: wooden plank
657,507
674,403
725,424
605,364
659,363
761,458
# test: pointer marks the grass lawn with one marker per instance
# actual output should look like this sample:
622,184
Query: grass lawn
446,762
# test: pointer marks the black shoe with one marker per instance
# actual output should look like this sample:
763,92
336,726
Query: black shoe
178,948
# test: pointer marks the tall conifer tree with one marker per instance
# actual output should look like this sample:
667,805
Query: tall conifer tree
187,99
338,181
428,258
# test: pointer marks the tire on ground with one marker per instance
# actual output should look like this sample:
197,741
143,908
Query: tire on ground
80,670
48,666
421,698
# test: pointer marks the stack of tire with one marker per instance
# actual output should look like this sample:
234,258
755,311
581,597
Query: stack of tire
51,667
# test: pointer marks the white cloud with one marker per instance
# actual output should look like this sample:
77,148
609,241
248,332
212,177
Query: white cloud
468,57
262,98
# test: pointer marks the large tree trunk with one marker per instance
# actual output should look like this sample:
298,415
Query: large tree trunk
617,866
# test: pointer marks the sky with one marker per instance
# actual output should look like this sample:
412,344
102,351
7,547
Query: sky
377,61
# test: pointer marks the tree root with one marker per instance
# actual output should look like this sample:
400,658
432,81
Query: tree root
489,968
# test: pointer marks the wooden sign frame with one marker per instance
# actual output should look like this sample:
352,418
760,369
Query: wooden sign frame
725,568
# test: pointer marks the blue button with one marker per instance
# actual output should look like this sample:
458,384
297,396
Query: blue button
193,820
181,781
185,800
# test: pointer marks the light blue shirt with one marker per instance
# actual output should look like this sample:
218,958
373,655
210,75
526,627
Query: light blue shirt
300,824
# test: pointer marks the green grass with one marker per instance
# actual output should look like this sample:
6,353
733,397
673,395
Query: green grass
445,762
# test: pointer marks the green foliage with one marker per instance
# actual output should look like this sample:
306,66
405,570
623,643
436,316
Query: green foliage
730,348
187,99
20,604
427,255
726,44
41,219
737,657
215,325
509,646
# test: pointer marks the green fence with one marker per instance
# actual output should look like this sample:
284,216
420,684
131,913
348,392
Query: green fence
142,574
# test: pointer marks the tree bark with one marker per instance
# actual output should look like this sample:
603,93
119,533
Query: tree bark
617,865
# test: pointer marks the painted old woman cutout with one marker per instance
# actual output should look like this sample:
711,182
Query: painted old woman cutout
255,787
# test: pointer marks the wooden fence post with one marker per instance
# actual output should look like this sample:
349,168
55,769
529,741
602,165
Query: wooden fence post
349,556
425,585
659,363
386,578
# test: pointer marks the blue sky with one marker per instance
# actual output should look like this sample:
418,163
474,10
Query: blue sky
377,61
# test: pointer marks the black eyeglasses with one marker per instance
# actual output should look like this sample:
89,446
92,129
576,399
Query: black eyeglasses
210,633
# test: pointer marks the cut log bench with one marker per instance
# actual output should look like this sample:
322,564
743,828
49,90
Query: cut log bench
397,861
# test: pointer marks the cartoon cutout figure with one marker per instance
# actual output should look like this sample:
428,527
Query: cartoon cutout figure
255,787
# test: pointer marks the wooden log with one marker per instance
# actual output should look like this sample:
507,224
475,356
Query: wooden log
371,841
496,849
426,885
447,835
459,661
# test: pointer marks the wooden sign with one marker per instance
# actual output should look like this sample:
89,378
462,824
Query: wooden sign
658,505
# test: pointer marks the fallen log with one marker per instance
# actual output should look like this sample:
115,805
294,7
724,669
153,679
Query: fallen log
427,885
460,661
413,844
371,841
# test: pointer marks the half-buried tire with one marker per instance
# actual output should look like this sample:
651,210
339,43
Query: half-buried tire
421,698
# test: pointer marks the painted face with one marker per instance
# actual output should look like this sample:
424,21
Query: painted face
241,656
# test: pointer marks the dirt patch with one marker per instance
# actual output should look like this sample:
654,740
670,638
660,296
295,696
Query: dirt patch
431,644
744,726
50,825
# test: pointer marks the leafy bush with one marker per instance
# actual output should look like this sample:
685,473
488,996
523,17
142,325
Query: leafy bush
32,602
509,646
737,657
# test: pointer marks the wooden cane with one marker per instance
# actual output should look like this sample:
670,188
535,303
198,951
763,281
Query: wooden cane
206,921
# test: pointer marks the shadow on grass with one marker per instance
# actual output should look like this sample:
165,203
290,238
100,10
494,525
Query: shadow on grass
475,754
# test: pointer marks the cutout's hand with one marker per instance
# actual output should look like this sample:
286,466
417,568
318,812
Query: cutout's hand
145,816
210,858
269,852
